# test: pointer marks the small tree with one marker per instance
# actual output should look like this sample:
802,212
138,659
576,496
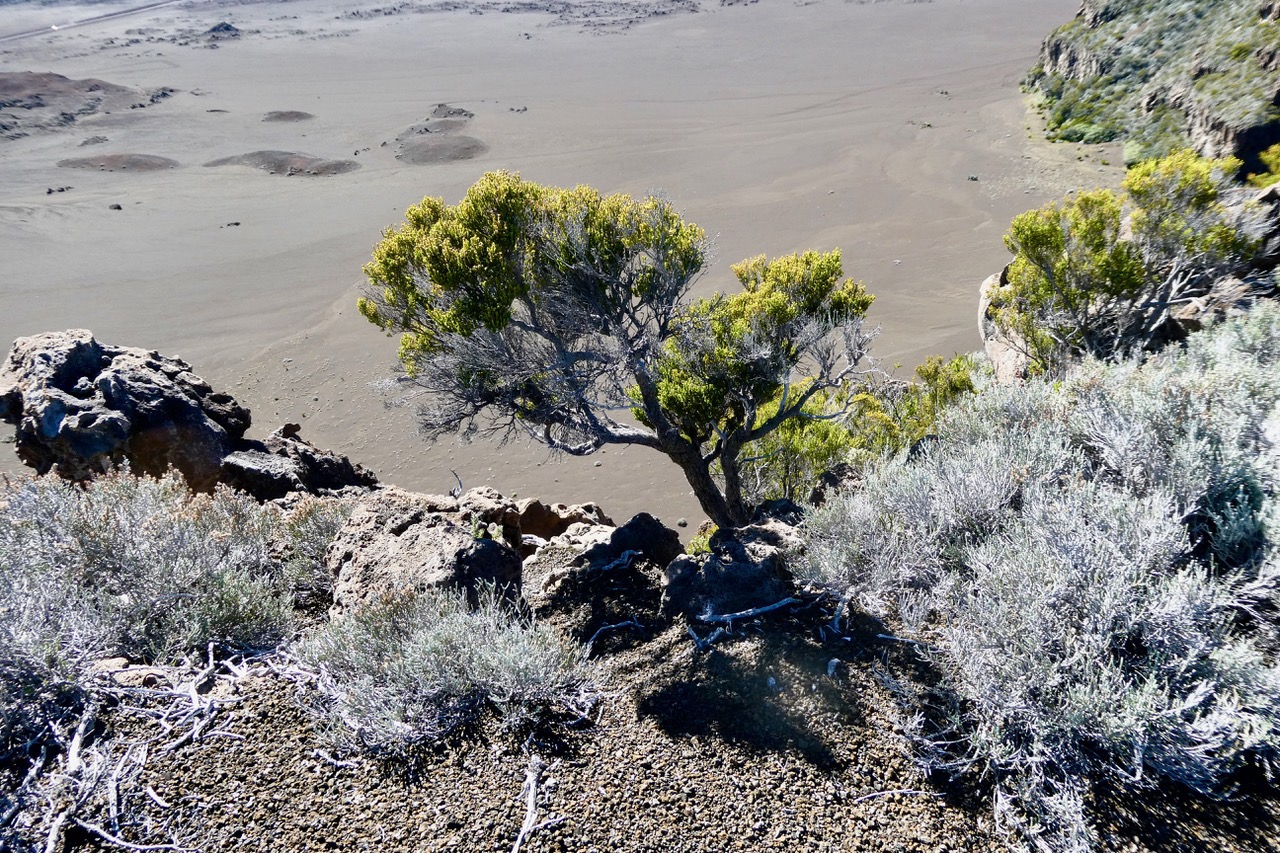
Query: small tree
561,314
1101,273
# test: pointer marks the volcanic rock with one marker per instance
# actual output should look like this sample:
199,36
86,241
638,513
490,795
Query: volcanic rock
285,463
395,540
82,407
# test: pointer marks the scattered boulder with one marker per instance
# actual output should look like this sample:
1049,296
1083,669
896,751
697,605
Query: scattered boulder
82,407
838,479
222,31
395,540
547,521
746,569
489,513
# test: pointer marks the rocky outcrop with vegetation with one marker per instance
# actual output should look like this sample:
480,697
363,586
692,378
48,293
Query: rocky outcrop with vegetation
1164,74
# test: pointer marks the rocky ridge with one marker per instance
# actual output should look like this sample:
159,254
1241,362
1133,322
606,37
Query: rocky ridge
1162,78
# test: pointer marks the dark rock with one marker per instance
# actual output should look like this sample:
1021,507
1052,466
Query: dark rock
745,569
580,596
285,463
395,540
781,509
643,534
223,30
82,407
831,482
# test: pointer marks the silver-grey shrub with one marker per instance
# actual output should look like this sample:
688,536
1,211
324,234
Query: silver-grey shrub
135,567
409,670
1092,567
138,567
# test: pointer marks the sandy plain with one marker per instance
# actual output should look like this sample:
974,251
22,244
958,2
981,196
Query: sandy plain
777,126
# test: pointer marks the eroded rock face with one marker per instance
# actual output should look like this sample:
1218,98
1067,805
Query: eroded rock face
546,521
82,406
396,540
1007,352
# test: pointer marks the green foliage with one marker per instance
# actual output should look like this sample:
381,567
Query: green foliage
704,383
1137,70
409,670
700,542
544,311
788,461
1271,159
1079,283
451,270
897,417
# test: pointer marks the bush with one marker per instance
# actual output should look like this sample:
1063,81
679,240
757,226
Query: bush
1099,273
415,667
140,568
310,525
1140,68
1092,567
1271,159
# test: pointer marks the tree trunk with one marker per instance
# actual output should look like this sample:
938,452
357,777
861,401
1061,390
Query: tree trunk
733,481
707,490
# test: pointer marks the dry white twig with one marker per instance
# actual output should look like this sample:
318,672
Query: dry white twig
903,791
530,793
120,842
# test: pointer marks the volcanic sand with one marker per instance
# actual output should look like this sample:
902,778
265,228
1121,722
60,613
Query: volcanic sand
777,127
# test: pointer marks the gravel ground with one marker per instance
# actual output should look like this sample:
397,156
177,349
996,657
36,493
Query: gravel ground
752,746
748,748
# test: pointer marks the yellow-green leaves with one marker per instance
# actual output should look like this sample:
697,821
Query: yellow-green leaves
549,312
1096,273
450,270
1271,159
731,353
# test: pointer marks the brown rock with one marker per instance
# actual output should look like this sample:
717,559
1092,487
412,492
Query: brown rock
396,540
548,521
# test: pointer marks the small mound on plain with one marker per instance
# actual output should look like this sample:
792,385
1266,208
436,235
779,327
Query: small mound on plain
438,148
289,163
287,115
121,163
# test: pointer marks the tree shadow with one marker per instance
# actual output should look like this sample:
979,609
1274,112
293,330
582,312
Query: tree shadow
763,691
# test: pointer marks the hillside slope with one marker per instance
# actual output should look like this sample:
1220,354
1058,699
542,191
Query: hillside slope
1162,74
